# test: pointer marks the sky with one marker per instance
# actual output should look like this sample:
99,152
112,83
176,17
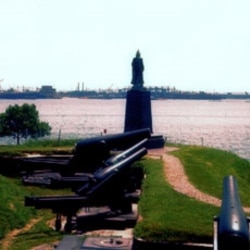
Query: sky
191,45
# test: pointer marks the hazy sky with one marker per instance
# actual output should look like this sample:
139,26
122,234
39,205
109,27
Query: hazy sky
188,44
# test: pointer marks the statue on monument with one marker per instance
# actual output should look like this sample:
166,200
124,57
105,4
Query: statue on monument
137,71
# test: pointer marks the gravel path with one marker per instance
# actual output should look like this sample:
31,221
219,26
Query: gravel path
175,175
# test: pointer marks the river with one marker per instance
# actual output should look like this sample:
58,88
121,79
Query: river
221,124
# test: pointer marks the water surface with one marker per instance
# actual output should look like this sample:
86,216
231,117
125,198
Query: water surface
223,124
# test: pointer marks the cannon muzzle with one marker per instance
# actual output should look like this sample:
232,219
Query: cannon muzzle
232,225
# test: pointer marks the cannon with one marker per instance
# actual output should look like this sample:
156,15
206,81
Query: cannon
43,164
90,152
76,181
231,227
87,156
108,187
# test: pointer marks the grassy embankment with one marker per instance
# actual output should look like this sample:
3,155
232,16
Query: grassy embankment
40,147
13,213
171,216
167,215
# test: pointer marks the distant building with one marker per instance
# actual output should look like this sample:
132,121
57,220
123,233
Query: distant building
47,91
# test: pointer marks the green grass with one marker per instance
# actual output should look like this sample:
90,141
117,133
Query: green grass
206,168
37,235
13,214
47,147
168,215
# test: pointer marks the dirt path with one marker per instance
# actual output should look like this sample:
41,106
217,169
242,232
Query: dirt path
8,239
175,175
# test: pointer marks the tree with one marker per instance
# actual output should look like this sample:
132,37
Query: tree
22,122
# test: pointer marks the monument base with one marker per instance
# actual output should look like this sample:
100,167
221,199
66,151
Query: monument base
138,110
138,115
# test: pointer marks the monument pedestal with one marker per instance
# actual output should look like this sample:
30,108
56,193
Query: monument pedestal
138,115
138,110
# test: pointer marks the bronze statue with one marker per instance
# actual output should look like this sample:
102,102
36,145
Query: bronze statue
137,71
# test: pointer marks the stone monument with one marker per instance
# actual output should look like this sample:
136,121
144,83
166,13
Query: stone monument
138,103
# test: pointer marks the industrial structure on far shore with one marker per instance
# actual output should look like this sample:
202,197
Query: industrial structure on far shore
48,92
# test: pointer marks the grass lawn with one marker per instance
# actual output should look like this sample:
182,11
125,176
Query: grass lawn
168,215
38,146
206,168
14,215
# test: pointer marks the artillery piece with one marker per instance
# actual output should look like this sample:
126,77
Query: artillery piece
231,227
88,156
109,186
75,182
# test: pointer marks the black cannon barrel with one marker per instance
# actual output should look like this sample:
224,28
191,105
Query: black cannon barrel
32,165
62,204
233,228
120,141
120,165
69,181
115,159
90,152
58,160
104,176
